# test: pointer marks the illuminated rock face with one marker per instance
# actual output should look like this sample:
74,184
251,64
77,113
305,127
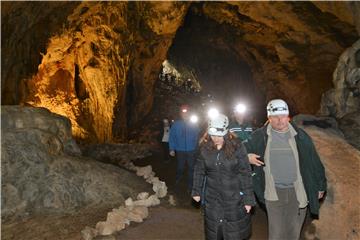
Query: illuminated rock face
100,69
101,60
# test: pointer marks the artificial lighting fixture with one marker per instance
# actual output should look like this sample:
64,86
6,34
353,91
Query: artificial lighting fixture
240,108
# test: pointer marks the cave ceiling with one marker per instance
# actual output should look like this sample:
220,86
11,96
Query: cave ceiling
97,62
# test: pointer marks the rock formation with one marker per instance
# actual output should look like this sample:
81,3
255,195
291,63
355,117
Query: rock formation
285,45
42,171
343,101
131,211
339,213
100,60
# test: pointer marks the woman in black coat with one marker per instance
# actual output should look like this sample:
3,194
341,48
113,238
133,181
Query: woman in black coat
228,192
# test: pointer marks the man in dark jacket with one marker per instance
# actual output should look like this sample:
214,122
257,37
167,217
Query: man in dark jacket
288,174
240,127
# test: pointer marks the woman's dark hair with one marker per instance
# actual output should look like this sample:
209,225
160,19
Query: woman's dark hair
230,144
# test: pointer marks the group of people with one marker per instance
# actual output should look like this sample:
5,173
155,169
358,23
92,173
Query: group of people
170,82
231,165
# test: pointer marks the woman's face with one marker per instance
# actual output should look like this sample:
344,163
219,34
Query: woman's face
218,141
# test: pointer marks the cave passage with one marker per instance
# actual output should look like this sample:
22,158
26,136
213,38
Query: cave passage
203,46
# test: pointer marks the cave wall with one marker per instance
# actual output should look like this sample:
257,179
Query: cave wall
97,62
25,31
99,69
292,47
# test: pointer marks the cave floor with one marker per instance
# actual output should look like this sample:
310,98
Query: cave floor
183,221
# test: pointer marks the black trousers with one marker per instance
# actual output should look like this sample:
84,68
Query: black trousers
165,147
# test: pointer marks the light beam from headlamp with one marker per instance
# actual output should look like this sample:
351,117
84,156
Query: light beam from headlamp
213,113
240,108
194,119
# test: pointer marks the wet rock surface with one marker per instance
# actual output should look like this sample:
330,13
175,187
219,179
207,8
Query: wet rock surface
39,176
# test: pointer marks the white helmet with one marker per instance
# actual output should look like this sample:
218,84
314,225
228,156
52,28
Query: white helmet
277,107
218,126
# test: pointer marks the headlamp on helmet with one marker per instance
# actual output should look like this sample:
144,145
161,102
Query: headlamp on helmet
277,107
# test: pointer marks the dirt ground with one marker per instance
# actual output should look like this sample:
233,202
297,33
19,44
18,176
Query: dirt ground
184,221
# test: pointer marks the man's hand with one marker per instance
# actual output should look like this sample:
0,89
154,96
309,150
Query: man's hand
248,208
253,159
172,153
196,198
321,194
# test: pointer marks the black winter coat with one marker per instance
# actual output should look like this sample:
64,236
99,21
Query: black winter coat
228,189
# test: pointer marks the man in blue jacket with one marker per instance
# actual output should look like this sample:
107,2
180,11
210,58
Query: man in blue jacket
183,142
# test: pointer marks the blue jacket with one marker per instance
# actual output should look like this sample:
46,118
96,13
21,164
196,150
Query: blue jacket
183,136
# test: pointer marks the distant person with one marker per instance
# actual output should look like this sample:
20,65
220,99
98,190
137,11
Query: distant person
183,142
239,126
229,194
288,174
165,139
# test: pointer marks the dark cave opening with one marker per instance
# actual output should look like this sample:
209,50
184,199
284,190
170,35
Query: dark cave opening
204,46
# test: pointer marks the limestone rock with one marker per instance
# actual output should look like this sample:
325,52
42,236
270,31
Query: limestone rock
350,126
38,176
153,200
117,220
144,172
345,97
160,189
108,228
89,233
328,123
118,215
107,237
133,217
341,162
129,202
172,201
343,101
142,211
55,130
118,154
142,196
